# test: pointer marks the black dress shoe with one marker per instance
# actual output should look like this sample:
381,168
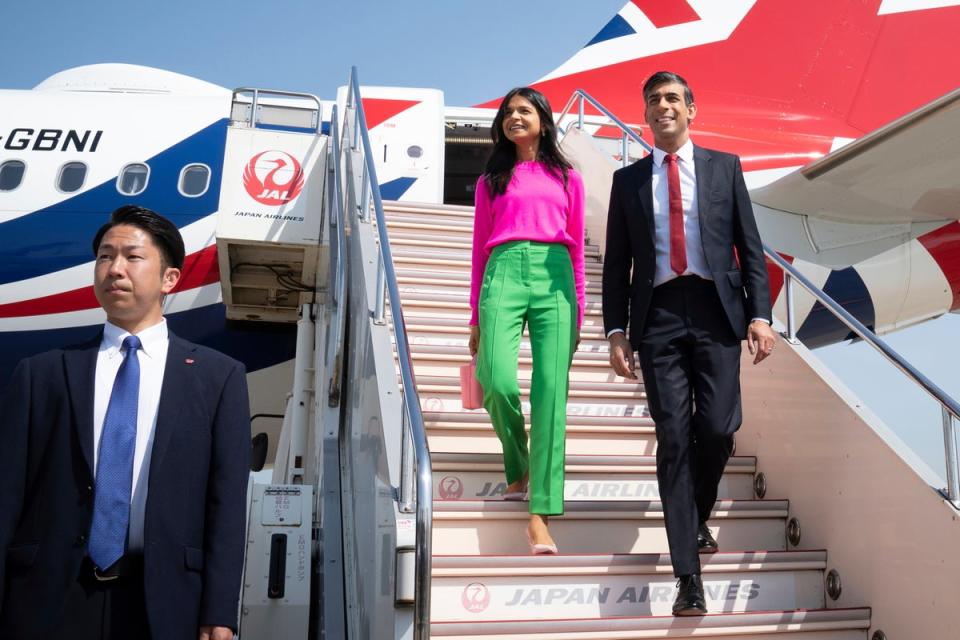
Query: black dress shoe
706,543
690,600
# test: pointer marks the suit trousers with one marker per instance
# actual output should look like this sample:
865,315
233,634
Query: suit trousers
529,284
690,359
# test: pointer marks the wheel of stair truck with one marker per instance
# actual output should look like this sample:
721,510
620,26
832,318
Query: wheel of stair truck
793,532
760,485
834,588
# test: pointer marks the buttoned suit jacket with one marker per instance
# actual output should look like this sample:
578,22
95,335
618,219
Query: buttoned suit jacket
728,231
194,523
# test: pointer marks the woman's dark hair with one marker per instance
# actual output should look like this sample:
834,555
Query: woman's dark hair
503,158
164,233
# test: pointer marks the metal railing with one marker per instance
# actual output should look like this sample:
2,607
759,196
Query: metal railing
950,409
416,473
338,254
580,97
256,94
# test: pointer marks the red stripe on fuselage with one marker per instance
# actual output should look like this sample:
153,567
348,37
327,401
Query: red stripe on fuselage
199,269
666,14
944,246
379,110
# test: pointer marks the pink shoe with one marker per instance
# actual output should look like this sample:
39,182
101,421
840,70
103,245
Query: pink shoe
538,549
517,496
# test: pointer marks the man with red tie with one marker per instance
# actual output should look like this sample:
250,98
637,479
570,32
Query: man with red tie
684,273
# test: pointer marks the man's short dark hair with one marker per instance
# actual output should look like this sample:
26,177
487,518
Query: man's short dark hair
666,77
164,233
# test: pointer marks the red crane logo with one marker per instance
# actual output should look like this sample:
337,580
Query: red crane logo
282,178
451,488
475,597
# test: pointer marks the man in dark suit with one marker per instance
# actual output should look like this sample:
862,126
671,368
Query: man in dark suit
88,432
684,270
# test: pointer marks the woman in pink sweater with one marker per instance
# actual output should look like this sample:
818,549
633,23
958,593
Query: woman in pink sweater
528,271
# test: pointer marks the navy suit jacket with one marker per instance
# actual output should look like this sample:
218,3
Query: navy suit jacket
726,223
194,527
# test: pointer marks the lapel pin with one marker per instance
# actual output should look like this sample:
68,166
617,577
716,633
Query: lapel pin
189,360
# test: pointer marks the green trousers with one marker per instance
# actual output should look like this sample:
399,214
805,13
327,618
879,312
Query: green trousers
529,284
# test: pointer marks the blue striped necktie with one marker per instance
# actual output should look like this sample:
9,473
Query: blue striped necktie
111,503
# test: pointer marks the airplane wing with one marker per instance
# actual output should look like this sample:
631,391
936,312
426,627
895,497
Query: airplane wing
906,172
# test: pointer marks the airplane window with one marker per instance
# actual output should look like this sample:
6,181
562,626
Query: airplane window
133,179
11,174
194,180
71,177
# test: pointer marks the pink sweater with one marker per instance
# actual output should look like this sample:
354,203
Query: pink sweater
534,207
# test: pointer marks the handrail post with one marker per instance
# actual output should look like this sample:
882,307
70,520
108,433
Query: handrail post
950,453
791,309
407,477
624,150
253,109
364,204
381,293
580,112
356,129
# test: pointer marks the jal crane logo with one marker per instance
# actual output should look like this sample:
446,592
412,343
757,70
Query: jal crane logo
273,178
475,597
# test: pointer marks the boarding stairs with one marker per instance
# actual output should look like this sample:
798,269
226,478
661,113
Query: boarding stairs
613,577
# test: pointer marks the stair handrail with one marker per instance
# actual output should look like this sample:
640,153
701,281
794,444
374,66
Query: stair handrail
950,409
627,133
414,431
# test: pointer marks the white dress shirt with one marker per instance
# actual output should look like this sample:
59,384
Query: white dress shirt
696,261
152,357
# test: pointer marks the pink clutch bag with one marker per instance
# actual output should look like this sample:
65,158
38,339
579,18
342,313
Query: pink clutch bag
471,393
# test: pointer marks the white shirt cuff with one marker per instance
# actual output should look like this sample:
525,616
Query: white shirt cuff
613,331
761,320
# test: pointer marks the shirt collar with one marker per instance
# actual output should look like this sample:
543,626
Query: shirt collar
152,338
685,153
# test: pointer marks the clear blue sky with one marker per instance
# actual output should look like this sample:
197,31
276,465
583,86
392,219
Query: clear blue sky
473,51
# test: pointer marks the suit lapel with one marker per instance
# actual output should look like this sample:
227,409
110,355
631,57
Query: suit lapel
179,384
703,167
645,167
80,364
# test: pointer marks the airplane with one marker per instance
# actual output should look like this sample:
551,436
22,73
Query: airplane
804,97
835,108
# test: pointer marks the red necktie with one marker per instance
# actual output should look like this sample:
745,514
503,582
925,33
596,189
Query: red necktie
678,242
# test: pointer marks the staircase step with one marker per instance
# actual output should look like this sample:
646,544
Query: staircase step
814,624
461,301
580,392
452,259
495,527
474,476
474,588
459,324
589,433
460,292
456,354
458,431
460,279
456,241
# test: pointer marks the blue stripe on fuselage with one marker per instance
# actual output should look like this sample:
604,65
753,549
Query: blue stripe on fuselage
846,287
60,236
257,345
